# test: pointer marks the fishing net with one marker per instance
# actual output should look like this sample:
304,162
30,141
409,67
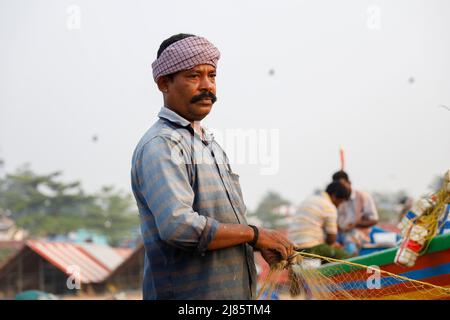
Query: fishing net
313,277
302,279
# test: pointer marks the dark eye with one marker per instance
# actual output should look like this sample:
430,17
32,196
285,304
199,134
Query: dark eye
212,75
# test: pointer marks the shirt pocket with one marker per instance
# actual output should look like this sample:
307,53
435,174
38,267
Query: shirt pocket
237,191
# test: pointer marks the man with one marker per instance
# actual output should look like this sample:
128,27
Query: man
355,216
197,241
314,225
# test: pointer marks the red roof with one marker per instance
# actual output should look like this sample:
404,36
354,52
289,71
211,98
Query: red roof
88,263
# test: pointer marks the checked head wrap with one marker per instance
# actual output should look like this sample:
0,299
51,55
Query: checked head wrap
184,55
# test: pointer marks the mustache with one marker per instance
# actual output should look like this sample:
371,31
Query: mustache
204,95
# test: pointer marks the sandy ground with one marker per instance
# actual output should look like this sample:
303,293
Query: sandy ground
118,296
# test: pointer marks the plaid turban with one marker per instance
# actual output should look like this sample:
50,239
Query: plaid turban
184,55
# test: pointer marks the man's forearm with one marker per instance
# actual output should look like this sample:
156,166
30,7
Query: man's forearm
331,238
366,223
229,235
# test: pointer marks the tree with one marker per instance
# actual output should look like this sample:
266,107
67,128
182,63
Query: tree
114,215
45,206
265,210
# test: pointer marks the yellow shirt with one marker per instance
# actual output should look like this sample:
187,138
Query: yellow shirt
313,220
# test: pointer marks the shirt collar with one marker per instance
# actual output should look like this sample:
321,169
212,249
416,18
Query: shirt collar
172,116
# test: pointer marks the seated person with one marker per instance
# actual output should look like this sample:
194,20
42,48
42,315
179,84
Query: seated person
313,227
356,216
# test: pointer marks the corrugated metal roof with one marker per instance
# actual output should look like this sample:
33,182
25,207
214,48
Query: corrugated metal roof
106,256
92,263
125,252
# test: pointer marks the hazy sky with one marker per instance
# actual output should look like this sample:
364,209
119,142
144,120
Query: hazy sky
372,76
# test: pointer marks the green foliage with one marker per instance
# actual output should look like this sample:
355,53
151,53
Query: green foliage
265,213
45,206
113,215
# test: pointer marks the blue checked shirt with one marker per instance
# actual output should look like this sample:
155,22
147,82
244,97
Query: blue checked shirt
184,188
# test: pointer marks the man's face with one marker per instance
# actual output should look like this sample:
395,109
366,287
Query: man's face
336,201
191,93
346,184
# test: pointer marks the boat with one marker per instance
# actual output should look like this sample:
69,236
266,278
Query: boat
431,268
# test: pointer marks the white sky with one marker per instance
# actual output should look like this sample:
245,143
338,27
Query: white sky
342,71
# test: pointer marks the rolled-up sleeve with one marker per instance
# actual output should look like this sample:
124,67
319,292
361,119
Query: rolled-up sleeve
164,184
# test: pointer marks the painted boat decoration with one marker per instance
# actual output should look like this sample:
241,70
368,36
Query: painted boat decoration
432,268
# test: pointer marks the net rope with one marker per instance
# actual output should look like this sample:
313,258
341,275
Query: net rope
342,280
296,278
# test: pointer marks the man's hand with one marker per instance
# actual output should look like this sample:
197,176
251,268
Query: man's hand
271,257
349,227
230,234
275,241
